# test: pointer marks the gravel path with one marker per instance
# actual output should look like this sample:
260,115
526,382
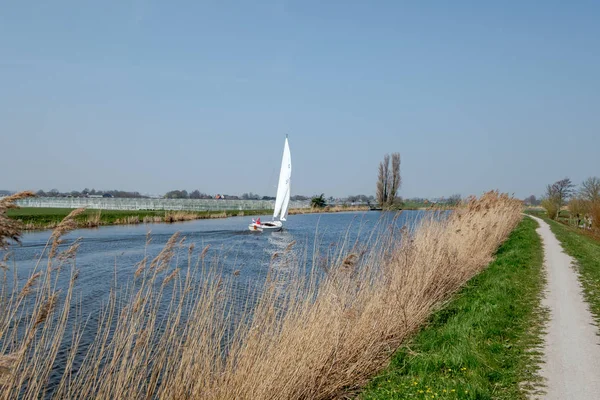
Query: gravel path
572,346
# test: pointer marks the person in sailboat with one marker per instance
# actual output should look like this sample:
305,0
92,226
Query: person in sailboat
282,200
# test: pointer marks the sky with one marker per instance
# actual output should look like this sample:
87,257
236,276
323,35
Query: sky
153,96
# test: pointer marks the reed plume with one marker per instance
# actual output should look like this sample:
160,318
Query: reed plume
10,229
67,225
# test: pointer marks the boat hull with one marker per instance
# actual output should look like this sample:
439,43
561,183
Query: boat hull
271,226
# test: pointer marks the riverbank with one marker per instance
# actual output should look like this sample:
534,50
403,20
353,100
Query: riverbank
48,218
329,209
484,343
34,218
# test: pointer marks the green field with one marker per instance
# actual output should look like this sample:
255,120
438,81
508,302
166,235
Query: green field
479,346
44,218
414,205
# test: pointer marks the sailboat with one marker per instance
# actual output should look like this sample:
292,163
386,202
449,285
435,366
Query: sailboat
282,201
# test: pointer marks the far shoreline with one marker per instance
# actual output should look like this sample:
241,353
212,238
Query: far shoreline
40,219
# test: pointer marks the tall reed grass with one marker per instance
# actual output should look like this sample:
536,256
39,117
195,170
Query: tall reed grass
94,220
319,335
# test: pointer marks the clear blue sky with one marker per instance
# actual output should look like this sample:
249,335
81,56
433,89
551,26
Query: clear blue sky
152,96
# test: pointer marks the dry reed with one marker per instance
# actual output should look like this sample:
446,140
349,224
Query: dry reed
129,220
178,216
68,224
10,229
93,220
150,219
222,214
307,336
33,317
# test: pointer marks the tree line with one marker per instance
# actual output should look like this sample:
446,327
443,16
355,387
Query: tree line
583,202
87,192
184,194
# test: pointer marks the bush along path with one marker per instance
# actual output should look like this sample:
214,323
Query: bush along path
571,352
484,343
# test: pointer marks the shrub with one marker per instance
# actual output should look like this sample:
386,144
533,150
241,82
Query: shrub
551,207
578,206
595,214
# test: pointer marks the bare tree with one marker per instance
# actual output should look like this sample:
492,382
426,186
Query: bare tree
531,200
388,180
382,180
556,196
386,177
454,200
590,189
562,190
395,179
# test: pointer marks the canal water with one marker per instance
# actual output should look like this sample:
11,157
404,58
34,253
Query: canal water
109,254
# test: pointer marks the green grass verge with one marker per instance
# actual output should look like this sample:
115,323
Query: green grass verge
43,218
586,250
483,343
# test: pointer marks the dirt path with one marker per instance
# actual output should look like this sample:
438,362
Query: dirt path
572,347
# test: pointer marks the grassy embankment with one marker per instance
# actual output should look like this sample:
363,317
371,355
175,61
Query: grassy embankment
479,346
584,246
319,338
49,218
418,205
328,209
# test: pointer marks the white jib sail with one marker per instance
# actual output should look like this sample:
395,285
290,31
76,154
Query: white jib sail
282,200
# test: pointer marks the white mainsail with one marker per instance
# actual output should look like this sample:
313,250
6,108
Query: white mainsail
282,201
286,203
